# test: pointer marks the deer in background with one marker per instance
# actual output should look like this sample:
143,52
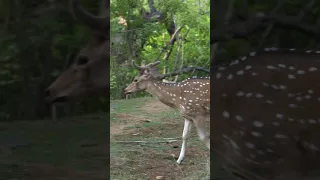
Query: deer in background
266,118
190,97
89,70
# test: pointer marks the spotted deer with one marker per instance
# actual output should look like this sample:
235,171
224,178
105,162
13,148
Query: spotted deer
265,114
190,97
88,71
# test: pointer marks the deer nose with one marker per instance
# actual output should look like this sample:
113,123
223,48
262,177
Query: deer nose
125,92
47,93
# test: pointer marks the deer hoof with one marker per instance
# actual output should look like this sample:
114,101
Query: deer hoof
179,161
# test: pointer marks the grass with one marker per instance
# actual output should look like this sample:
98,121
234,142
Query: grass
146,119
71,148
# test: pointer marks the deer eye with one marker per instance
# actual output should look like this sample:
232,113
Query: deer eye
82,60
136,80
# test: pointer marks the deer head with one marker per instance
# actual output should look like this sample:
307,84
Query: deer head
147,73
88,71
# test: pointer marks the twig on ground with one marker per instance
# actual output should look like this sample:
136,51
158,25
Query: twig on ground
146,142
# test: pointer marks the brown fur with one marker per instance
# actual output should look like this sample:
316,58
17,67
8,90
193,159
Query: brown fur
265,116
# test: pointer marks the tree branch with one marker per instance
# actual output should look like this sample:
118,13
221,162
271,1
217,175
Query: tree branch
245,28
184,70
169,45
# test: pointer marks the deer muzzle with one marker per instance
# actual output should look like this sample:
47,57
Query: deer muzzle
51,97
126,92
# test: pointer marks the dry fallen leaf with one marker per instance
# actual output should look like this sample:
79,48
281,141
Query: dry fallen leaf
159,177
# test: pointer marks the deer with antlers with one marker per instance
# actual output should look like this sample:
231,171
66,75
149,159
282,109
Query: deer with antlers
190,97
89,70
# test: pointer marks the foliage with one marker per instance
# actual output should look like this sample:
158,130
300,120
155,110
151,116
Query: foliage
281,37
150,38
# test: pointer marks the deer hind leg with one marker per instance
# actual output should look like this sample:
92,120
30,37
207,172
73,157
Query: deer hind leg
185,135
202,132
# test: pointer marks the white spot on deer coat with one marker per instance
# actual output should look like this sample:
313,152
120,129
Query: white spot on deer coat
240,93
252,54
258,124
218,75
276,123
239,118
271,67
300,72
230,76
292,68
256,134
280,136
241,72
291,76
311,69
312,121
249,145
279,116
248,67
226,114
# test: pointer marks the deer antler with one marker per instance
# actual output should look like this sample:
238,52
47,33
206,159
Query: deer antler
95,22
142,67
136,66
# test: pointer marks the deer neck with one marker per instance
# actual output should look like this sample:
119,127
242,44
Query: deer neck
167,93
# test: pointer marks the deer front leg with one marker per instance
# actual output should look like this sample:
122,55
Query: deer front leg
202,132
185,135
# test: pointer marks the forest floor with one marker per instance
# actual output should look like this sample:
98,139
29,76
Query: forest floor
141,129
69,149
76,148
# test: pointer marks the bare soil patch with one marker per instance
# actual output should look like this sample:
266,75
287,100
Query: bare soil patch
155,106
146,161
127,120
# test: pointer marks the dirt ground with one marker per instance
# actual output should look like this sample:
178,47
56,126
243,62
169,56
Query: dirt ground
152,106
140,147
